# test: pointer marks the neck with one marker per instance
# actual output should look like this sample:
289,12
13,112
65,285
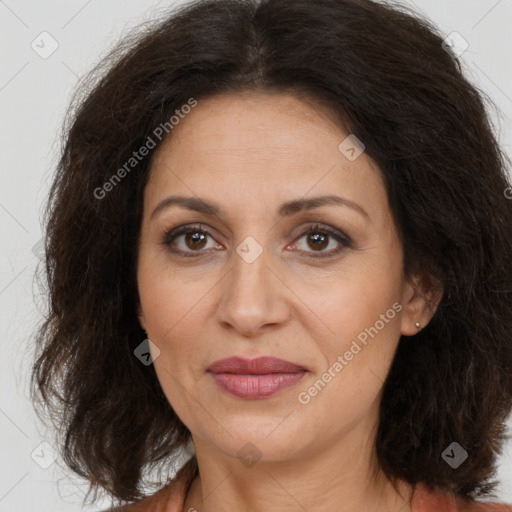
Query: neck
343,478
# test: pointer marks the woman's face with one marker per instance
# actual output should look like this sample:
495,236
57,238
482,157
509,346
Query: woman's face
249,281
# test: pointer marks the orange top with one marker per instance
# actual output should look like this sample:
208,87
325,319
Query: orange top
171,498
427,500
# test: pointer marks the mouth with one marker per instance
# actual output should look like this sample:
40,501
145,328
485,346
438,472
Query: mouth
255,378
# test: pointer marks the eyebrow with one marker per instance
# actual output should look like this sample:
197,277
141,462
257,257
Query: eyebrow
285,210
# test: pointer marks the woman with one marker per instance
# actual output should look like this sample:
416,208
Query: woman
279,235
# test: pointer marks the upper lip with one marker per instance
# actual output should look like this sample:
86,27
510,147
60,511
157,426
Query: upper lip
259,366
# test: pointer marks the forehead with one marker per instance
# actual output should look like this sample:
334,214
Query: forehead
256,147
253,123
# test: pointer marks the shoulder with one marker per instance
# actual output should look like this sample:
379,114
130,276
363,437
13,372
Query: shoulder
426,499
168,499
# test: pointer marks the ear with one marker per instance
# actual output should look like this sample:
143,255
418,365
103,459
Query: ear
420,299
140,316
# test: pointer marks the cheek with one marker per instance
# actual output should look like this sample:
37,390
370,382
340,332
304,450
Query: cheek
348,388
361,309
170,299
173,322
351,300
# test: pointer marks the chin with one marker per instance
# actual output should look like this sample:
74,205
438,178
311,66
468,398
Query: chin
263,438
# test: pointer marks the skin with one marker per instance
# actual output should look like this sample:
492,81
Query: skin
249,153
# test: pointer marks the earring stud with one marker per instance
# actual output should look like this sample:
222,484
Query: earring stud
418,326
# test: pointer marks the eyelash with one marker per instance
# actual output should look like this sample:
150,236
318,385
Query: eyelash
171,235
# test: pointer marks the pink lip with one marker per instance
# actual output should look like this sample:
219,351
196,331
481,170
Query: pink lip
255,378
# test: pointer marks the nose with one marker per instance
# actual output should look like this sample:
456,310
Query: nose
254,297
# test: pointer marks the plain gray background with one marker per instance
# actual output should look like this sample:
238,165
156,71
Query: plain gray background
34,93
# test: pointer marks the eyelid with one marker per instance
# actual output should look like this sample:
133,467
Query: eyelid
314,227
172,234
344,240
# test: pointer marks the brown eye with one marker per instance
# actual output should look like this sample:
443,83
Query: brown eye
318,238
195,240
188,241
317,241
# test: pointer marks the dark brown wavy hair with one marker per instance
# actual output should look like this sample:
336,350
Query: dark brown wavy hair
382,69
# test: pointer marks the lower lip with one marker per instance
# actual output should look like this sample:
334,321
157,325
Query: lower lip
255,386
